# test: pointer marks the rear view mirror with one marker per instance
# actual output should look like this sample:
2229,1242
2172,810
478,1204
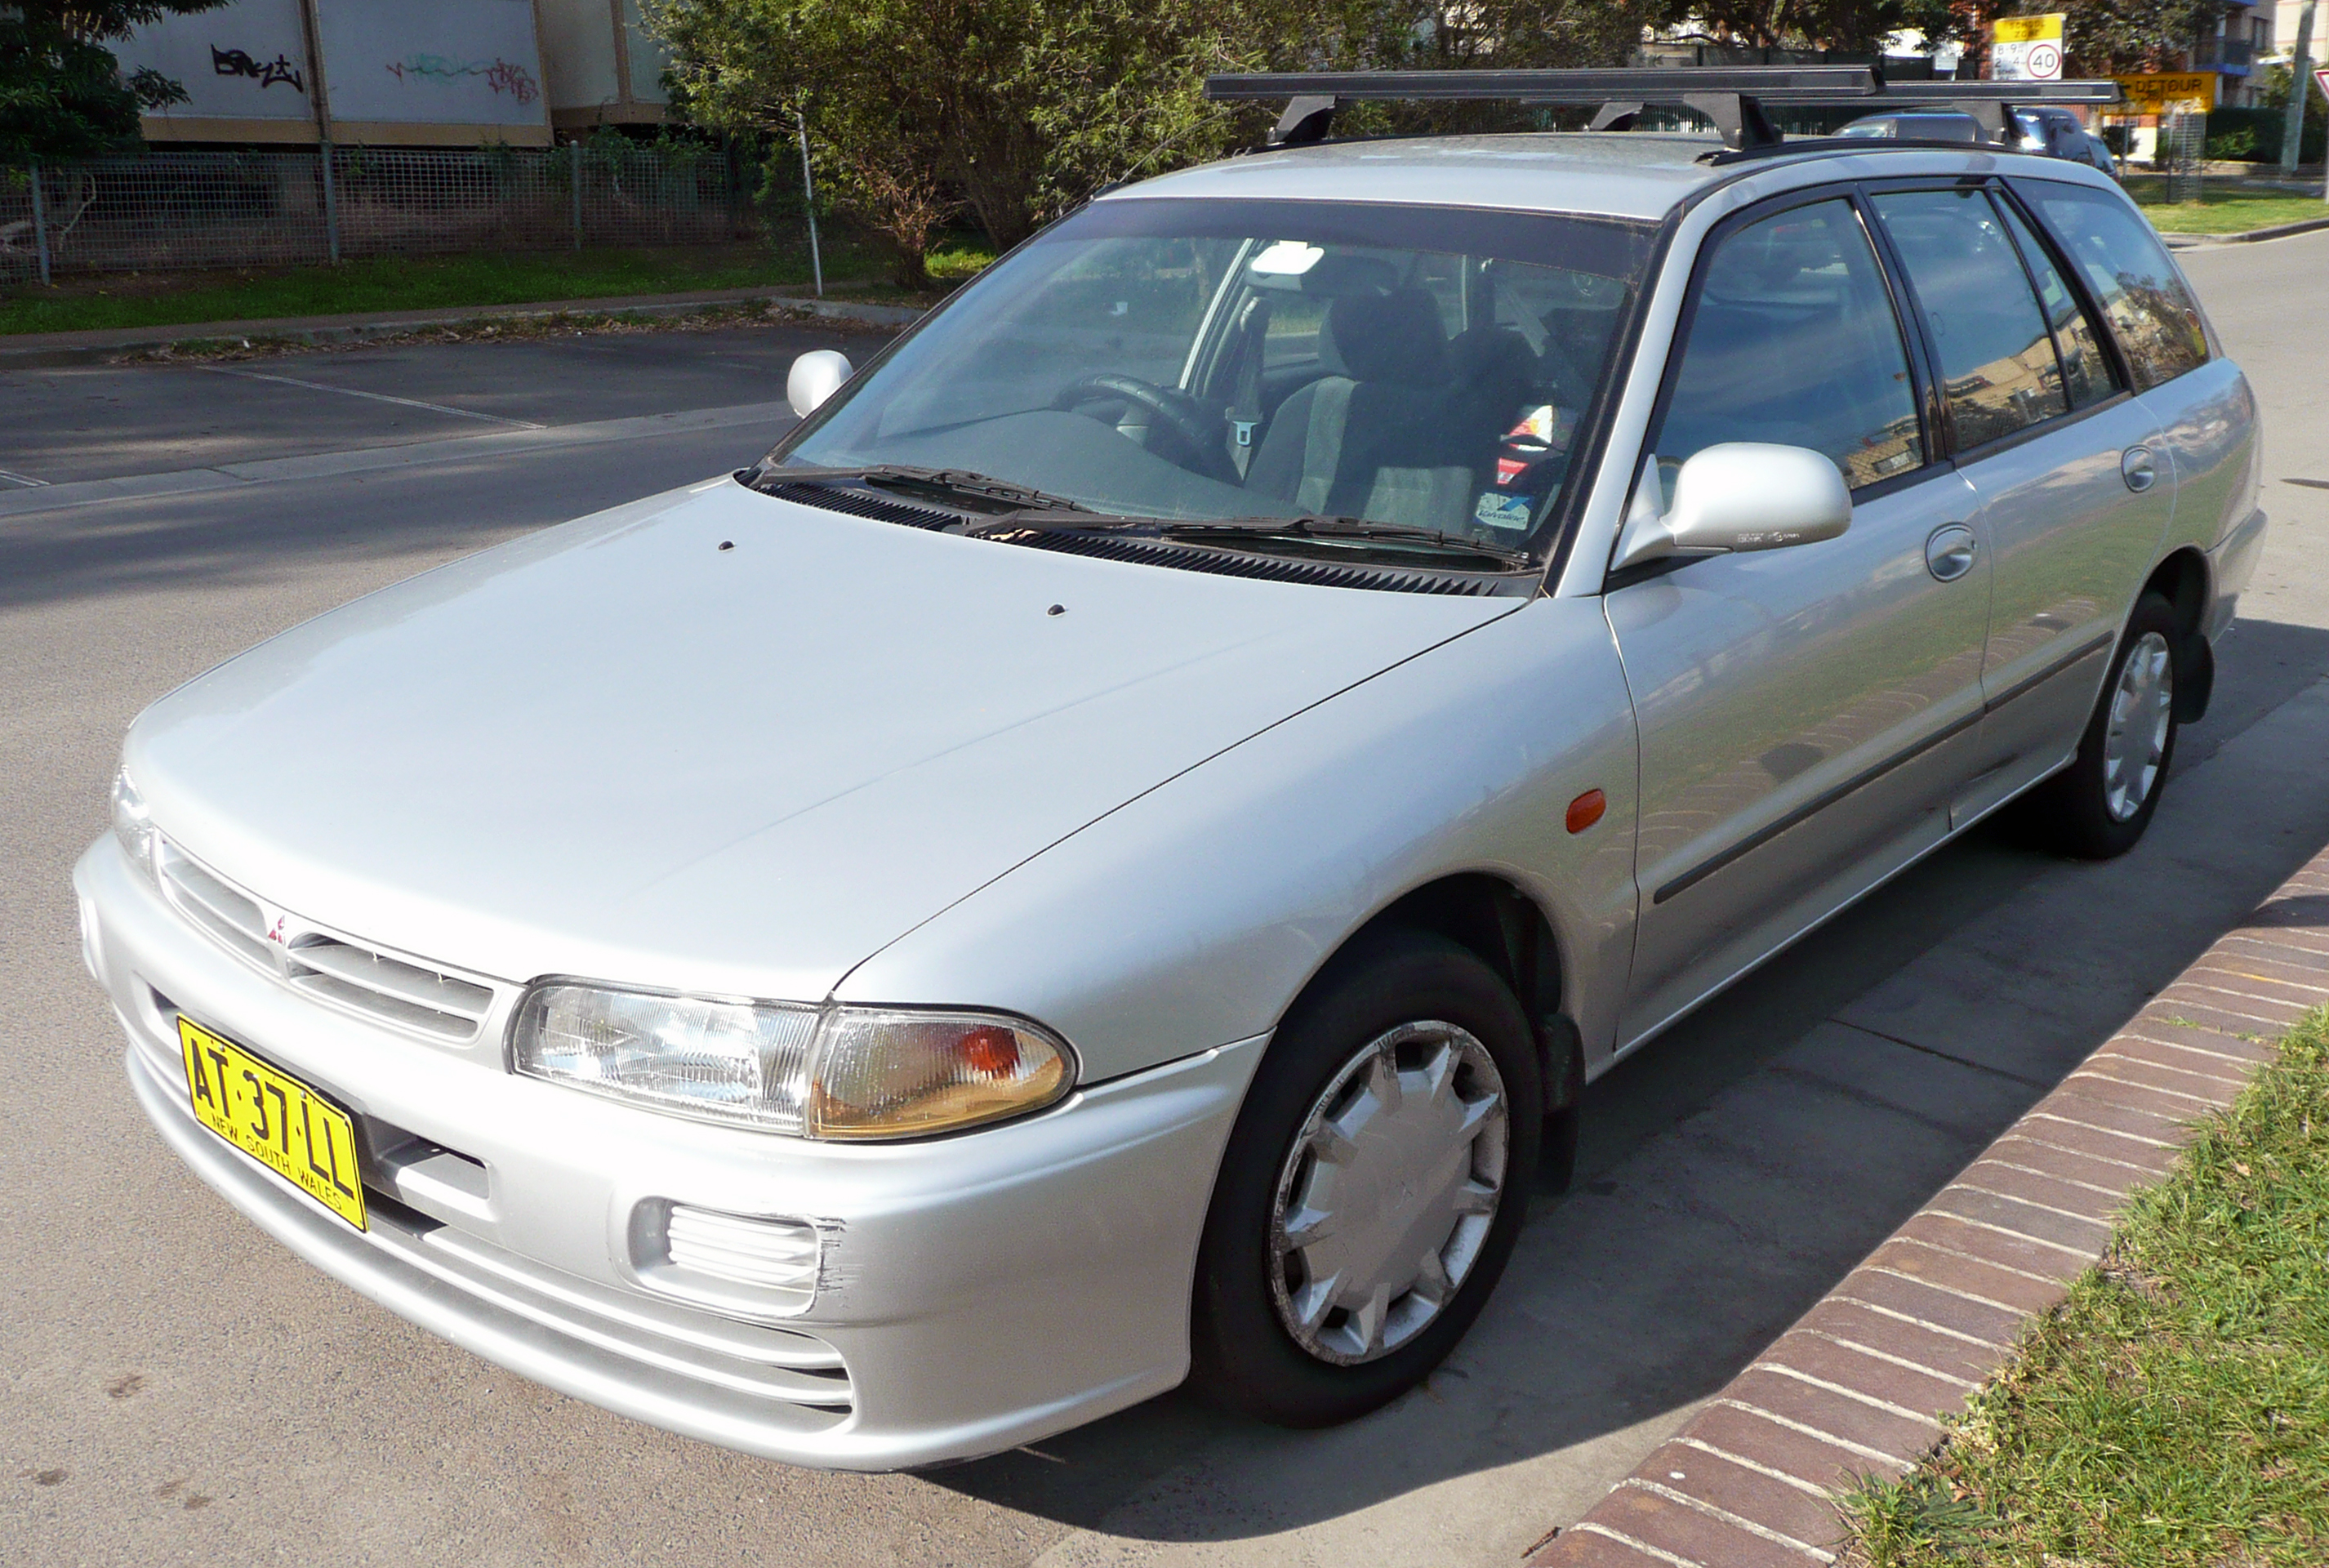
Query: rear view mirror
816,376
1740,496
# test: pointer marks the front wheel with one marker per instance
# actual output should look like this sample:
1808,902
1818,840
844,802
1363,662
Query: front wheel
2098,806
1372,1187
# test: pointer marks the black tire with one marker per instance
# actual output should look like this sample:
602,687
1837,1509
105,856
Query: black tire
2071,813
1244,1355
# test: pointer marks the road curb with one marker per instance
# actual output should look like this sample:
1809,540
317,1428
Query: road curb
1860,1383
2248,236
42,350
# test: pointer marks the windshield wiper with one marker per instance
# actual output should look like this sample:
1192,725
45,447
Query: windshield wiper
1310,528
961,482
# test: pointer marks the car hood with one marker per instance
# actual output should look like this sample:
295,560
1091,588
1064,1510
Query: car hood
718,742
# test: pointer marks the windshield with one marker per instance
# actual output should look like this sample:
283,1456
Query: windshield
1426,368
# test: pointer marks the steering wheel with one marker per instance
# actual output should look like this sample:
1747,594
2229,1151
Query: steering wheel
1180,413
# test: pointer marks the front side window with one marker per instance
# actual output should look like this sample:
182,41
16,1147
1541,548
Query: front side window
2151,312
1187,360
1792,340
1997,364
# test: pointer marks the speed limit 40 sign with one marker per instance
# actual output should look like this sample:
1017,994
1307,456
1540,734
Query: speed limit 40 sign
2027,48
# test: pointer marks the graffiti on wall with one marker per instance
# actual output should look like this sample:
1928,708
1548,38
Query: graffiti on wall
501,75
266,72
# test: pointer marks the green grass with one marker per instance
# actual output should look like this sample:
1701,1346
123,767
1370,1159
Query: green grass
2221,211
2173,1412
439,282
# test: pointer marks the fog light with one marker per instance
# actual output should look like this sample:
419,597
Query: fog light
742,1265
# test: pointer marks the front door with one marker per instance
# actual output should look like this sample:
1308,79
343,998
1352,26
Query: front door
1803,713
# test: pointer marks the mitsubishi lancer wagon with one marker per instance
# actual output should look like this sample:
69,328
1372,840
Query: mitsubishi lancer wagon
1108,857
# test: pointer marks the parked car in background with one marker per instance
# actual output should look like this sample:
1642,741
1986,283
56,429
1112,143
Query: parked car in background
1112,854
2054,133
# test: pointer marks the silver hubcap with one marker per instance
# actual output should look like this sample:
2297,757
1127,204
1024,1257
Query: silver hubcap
2141,709
1386,1199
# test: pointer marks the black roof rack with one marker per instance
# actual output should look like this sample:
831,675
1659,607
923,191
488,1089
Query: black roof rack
1732,97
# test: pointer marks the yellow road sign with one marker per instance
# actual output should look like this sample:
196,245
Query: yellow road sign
2165,91
2028,29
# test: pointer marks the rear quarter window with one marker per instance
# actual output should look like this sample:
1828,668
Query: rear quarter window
2150,310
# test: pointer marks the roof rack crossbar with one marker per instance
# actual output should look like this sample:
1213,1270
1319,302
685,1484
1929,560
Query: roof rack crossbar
1665,84
1733,97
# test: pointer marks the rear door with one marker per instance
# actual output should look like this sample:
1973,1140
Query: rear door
1803,713
2075,492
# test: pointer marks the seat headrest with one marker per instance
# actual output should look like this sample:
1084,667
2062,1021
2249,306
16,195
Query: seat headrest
1391,337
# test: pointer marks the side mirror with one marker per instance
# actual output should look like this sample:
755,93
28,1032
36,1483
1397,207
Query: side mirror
816,376
1738,495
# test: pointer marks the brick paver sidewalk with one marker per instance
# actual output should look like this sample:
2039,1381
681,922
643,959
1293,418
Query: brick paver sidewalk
1859,1385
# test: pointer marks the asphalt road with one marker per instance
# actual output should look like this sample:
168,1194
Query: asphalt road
180,1390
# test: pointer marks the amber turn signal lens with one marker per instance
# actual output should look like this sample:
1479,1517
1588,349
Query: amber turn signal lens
1586,809
992,1050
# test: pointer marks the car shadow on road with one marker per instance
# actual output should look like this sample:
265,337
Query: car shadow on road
1736,1168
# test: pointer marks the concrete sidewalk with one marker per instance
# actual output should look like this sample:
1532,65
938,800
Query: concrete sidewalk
38,349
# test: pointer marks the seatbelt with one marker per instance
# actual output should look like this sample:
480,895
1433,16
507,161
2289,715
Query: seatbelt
1244,413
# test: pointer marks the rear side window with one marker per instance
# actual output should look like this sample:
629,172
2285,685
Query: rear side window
2151,312
2086,369
1998,369
1793,339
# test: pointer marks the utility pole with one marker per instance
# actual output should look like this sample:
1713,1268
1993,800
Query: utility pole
2300,88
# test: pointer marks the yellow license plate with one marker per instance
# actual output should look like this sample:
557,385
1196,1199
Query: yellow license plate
276,1120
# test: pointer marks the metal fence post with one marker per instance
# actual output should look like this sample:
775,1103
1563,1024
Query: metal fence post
331,207
808,205
574,179
2300,71
40,221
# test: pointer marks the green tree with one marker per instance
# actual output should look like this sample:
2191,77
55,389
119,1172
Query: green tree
1018,109
2121,37
916,109
62,91
1846,26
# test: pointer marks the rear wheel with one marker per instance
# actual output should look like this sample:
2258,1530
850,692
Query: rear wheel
2098,805
1372,1187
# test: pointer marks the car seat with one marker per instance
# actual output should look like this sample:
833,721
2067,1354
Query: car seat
1390,432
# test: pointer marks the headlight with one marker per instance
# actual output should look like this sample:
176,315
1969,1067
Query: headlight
131,825
830,1073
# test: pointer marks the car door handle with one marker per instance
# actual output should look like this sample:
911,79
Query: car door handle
2135,466
1949,552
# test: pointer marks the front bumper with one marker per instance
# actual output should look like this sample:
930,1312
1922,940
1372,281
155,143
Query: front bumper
976,1292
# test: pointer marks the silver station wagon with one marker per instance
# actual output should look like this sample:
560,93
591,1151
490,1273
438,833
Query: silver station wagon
1108,857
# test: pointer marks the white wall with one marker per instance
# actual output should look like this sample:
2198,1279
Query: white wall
432,61
248,61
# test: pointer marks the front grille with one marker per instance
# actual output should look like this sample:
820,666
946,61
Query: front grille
408,992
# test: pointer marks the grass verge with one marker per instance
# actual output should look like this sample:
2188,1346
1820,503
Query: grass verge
455,282
2173,1411
2222,210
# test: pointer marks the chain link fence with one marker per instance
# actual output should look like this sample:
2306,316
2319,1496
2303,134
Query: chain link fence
2183,138
169,211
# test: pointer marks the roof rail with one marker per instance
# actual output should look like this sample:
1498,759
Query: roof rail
1731,96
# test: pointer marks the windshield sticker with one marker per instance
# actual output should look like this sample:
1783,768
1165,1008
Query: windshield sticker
1287,259
1505,512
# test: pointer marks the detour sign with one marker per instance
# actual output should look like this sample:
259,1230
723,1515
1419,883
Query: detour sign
2160,91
